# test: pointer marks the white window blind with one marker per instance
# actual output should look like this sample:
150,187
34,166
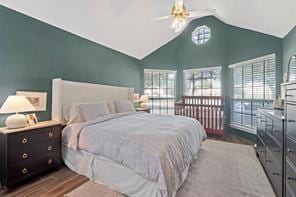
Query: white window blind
202,82
254,86
292,69
159,85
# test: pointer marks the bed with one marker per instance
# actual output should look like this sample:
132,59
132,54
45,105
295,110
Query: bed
134,153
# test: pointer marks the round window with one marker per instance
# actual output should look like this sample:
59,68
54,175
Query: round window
201,35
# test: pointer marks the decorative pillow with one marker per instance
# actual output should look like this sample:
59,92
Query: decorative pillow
91,111
124,106
71,113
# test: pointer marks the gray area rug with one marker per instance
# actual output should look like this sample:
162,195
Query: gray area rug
222,169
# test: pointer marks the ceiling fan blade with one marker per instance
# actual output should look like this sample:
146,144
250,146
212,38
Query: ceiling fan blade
201,13
162,18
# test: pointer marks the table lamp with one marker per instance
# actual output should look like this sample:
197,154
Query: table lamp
143,100
16,104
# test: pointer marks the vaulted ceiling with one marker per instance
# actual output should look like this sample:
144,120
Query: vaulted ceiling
128,26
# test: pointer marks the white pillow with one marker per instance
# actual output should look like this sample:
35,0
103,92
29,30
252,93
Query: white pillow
124,106
91,111
71,113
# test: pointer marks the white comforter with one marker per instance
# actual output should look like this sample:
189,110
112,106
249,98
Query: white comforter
158,147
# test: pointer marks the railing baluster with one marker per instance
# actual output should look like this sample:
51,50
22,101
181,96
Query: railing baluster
208,110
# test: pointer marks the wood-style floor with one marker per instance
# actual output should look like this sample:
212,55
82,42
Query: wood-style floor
61,181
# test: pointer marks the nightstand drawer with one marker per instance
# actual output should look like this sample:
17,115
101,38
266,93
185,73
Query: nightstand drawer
33,167
291,149
22,139
17,156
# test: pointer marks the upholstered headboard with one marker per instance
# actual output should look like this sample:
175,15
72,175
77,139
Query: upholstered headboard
67,92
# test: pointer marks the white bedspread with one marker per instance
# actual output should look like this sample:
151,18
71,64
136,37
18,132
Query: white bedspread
157,147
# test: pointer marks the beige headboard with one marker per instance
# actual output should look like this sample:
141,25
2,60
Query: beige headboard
67,92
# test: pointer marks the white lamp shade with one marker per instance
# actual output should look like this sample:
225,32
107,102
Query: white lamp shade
15,104
144,98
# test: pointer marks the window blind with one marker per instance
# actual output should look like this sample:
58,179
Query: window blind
159,85
254,86
202,82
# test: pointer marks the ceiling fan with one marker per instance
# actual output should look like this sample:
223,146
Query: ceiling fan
180,15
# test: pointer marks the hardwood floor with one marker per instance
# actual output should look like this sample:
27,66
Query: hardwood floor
54,183
62,181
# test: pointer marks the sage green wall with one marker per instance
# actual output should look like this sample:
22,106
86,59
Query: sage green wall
228,45
289,48
32,53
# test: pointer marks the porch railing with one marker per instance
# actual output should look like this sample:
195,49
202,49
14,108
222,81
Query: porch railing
208,110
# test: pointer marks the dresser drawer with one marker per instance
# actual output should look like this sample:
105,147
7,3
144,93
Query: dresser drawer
290,177
22,139
277,130
274,149
274,172
291,149
291,129
291,93
261,150
291,112
17,156
261,122
33,167
289,193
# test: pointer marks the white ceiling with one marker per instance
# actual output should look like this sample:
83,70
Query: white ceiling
128,26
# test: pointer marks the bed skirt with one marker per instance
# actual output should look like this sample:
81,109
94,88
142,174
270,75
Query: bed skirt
115,176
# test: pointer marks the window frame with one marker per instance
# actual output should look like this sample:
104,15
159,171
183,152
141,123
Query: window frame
202,70
197,34
268,60
160,99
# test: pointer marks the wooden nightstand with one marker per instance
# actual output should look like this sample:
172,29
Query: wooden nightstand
29,151
146,109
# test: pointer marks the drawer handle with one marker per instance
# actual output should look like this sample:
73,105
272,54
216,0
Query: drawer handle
49,161
289,95
24,171
50,134
276,174
268,125
290,151
49,148
24,140
275,150
268,161
291,178
263,121
291,120
25,156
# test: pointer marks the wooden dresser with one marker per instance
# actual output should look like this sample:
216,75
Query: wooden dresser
28,151
270,146
290,139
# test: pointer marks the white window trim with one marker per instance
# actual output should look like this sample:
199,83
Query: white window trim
252,61
241,64
196,30
242,128
203,69
156,70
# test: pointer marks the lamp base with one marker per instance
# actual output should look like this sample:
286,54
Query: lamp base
143,105
16,121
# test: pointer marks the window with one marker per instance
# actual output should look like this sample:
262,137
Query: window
292,68
202,82
254,86
201,35
160,87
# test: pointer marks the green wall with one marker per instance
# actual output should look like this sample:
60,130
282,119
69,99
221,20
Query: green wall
228,45
289,48
32,53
